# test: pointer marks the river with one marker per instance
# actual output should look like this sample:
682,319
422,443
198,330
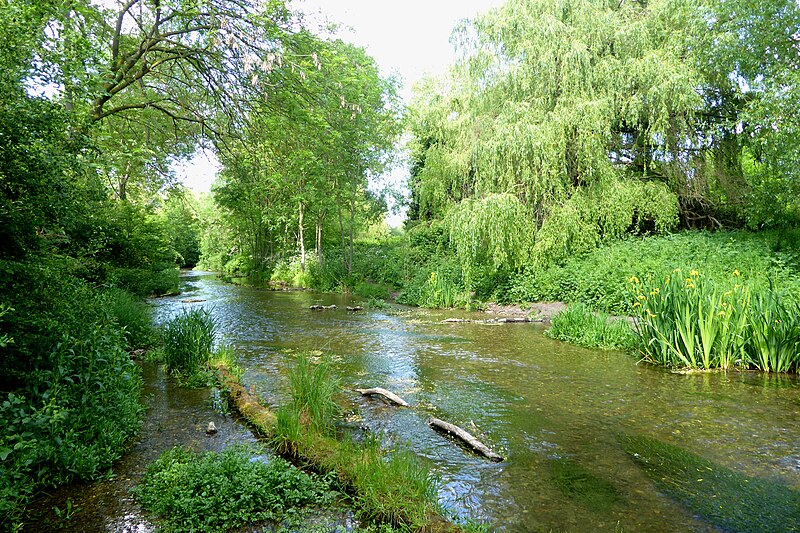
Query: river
558,412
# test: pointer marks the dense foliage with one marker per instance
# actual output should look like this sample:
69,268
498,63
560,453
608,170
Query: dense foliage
604,119
222,491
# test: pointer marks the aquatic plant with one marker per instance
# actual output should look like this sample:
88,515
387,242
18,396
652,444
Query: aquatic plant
687,321
219,491
729,500
189,341
313,389
579,325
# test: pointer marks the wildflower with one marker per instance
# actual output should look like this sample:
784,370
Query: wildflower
667,280
654,292
721,313
651,315
642,297
676,271
736,273
634,280
690,284
694,273
637,304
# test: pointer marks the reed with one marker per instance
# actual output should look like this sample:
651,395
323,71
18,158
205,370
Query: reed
689,322
189,341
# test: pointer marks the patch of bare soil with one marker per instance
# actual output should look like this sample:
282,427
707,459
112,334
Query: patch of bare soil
538,310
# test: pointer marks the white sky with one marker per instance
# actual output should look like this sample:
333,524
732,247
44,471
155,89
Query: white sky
409,38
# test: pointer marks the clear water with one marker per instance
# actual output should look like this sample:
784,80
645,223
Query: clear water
544,404
556,411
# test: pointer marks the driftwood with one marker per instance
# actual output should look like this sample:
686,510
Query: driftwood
322,307
467,438
192,301
392,397
356,308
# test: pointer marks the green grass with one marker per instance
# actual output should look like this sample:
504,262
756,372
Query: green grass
221,491
579,325
134,316
394,488
188,341
727,499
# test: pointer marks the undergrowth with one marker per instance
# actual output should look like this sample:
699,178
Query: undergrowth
220,491
579,325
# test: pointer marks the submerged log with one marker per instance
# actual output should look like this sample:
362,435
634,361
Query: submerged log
392,397
322,307
465,437
509,320
356,308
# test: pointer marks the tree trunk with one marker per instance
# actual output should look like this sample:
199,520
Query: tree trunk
302,238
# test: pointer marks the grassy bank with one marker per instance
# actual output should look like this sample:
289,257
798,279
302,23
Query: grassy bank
392,488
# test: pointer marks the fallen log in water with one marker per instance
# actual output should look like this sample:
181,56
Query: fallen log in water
508,320
322,307
247,404
465,437
392,397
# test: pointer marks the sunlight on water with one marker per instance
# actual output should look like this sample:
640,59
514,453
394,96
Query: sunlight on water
557,412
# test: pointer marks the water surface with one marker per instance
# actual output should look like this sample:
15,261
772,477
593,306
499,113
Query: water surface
556,411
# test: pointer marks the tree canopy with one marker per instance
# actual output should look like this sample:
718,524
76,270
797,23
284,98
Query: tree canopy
605,117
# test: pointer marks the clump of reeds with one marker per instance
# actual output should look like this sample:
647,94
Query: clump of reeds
189,341
688,322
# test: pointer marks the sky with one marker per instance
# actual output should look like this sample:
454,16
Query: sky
408,38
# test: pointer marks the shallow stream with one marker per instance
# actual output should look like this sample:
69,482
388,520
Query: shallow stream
558,412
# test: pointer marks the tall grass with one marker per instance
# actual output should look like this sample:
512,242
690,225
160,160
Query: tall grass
440,292
687,321
393,488
579,325
189,341
134,316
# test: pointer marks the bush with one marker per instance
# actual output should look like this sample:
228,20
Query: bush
221,491
599,277
189,341
579,325
70,400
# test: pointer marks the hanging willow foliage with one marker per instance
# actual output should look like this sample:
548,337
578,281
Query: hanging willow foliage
562,104
496,230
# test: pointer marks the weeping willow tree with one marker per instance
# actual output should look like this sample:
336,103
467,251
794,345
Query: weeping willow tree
586,111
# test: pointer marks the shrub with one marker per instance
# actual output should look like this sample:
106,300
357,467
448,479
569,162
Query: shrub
221,491
70,400
134,316
579,325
